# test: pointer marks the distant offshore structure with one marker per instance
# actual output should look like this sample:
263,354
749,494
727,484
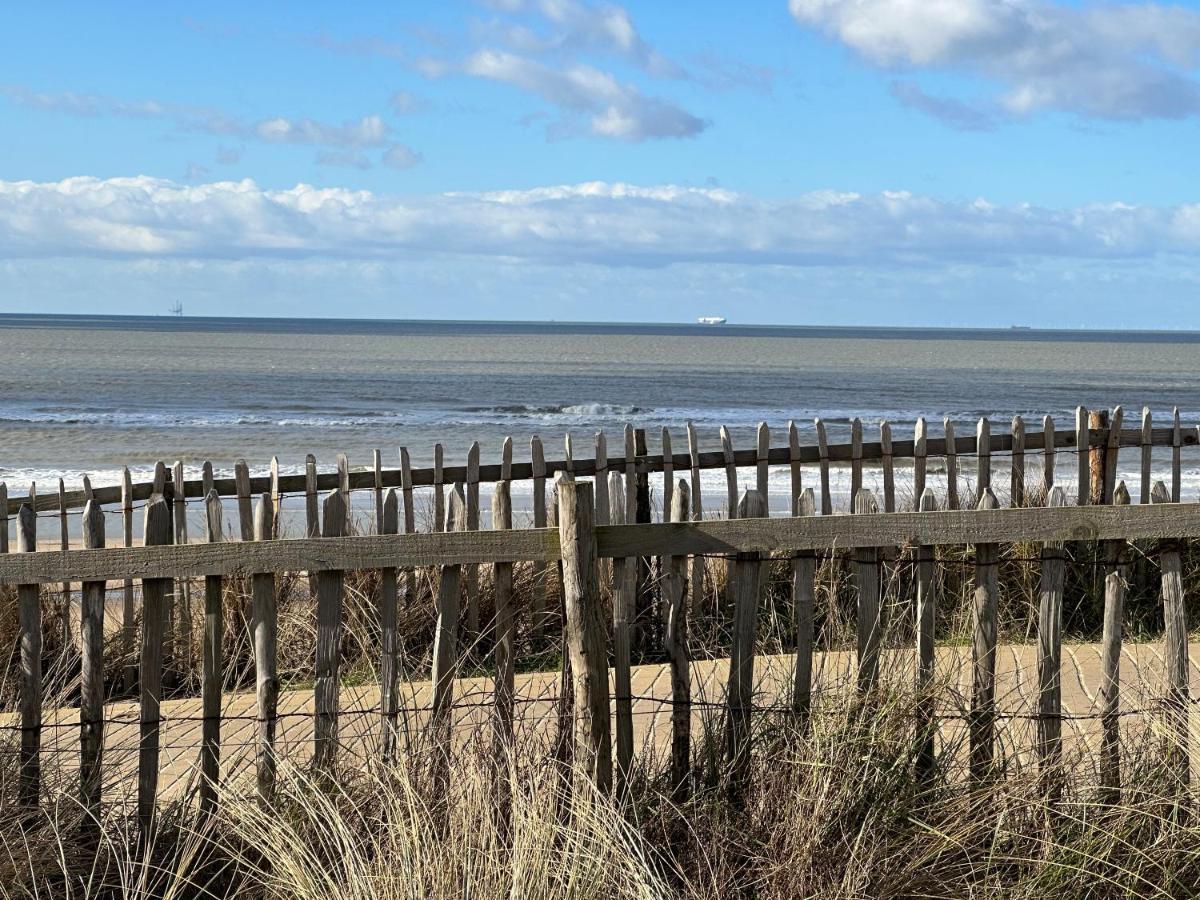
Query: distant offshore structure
711,320
177,309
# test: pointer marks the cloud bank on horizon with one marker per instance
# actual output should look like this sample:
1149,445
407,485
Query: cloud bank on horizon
776,163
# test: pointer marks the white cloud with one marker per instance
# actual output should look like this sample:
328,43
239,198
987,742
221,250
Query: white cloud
609,108
367,132
608,224
1109,61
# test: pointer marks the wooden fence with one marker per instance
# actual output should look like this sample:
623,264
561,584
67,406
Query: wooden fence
578,543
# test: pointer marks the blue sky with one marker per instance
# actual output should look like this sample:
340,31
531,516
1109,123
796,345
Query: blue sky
825,161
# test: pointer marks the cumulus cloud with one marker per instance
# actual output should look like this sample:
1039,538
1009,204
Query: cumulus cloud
609,224
1108,61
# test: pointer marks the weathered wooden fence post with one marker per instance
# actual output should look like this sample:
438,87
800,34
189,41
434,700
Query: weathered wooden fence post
1112,451
327,684
29,624
731,482
1016,490
696,581
1049,454
622,604
184,662
1175,658
154,603
128,610
445,649
585,632
1050,597
312,511
675,644
870,621
746,582
823,459
265,628
951,451
91,688
856,459
1082,450
389,706
506,635
211,666
983,457
927,602
889,475
762,471
920,461
471,572
804,572
983,651
1117,560
537,606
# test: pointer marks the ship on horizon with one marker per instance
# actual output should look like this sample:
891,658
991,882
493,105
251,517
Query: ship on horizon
711,320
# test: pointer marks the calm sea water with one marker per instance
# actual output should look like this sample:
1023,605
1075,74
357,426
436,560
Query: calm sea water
92,394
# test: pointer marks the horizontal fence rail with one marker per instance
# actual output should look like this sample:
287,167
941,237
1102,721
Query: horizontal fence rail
865,451
777,537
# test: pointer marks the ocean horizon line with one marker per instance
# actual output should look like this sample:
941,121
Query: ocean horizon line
366,325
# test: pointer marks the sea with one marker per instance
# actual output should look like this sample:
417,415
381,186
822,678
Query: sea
92,394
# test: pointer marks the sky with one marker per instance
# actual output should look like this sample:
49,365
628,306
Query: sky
894,162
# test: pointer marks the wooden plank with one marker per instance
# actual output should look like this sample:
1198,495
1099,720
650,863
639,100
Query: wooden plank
926,630
746,584
327,683
3,517
950,448
537,606
241,475
889,475
783,536
568,454
920,461
762,466
697,577
212,672
1016,484
1050,442
983,457
731,482
344,486
823,451
439,493
1177,702
265,628
91,685
1050,610
154,599
621,588
630,475
804,577
1082,445
585,633
983,651
1000,443
1117,563
182,660
445,647
856,460
1176,444
389,652
1147,450
668,476
470,573
29,625
505,648
128,611
675,645
1112,451
206,479
870,610
601,480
